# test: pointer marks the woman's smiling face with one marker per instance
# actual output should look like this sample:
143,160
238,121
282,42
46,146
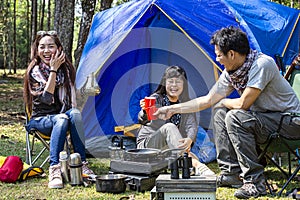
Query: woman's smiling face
174,88
46,49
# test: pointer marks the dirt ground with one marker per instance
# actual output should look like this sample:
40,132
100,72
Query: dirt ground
11,98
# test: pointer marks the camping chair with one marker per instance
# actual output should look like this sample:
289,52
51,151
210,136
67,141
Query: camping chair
33,136
278,143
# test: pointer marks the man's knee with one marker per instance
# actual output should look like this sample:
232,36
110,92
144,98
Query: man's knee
219,113
237,116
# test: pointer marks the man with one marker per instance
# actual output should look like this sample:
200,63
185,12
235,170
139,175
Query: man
239,124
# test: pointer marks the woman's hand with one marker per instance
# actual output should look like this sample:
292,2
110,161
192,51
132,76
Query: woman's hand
185,143
57,60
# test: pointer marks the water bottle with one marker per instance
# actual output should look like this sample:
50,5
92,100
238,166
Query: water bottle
75,165
63,159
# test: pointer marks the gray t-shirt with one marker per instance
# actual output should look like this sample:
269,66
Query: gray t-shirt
276,92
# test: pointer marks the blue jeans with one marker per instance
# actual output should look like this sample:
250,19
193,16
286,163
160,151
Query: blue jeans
56,126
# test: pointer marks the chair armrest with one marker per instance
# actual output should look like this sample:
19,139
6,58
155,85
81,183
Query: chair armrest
295,120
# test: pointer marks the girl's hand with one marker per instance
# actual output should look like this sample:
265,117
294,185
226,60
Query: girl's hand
185,143
57,60
142,104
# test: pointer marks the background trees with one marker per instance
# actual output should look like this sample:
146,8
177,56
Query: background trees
21,19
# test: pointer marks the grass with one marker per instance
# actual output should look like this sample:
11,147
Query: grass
12,142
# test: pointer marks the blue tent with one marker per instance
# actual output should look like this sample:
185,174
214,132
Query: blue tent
129,47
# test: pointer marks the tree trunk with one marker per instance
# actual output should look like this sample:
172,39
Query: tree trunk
105,4
14,40
64,24
5,42
1,31
57,14
28,29
42,13
49,15
88,8
33,19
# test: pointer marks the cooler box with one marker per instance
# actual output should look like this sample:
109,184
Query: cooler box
194,188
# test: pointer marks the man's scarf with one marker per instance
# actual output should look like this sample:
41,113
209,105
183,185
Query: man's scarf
239,78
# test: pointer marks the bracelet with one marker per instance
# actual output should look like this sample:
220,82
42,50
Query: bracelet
53,71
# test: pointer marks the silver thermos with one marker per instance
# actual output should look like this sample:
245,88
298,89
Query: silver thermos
75,165
63,160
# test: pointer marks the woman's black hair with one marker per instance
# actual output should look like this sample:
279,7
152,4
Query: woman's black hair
171,72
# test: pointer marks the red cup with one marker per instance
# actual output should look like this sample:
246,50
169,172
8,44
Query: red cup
150,111
149,102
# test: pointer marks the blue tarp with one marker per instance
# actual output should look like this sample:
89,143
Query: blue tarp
130,45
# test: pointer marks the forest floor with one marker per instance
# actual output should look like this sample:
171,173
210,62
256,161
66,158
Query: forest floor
12,142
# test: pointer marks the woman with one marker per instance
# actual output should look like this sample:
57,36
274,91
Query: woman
180,130
49,94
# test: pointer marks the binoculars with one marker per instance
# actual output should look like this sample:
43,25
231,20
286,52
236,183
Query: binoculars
183,162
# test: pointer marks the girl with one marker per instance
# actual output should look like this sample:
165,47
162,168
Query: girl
50,96
180,130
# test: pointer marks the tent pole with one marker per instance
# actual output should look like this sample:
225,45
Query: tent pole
286,44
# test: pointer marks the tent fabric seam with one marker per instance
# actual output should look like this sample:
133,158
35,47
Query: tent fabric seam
189,37
289,39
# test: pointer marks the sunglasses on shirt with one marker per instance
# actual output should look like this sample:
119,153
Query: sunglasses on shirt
41,33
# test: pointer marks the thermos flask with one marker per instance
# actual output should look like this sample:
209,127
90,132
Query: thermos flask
75,165
63,160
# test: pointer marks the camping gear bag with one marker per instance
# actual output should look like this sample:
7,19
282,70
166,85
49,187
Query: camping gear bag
11,169
203,147
31,171
28,171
